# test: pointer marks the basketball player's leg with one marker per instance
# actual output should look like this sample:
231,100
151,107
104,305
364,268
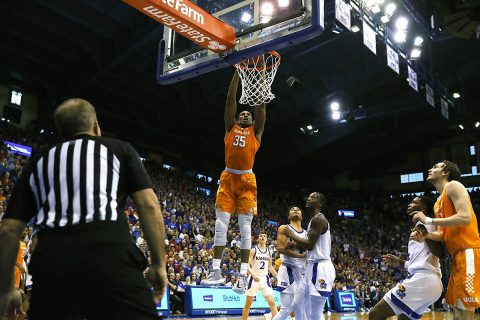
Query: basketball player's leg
224,207
246,207
463,313
287,281
318,303
267,292
320,288
464,285
380,311
300,301
253,287
286,302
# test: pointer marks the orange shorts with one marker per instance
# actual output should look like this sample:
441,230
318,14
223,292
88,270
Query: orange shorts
464,282
237,193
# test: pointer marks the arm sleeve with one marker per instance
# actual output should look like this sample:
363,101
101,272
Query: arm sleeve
137,177
21,205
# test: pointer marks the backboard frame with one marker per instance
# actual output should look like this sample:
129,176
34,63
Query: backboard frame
271,36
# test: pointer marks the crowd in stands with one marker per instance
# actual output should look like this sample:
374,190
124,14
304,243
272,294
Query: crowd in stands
381,226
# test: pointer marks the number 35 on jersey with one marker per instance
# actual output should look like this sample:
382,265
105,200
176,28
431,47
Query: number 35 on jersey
239,141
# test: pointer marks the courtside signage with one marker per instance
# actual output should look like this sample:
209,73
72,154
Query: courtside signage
222,300
163,306
190,21
18,148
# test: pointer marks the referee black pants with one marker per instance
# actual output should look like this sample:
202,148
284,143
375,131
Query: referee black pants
89,275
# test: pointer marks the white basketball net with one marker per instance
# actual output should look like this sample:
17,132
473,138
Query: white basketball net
257,78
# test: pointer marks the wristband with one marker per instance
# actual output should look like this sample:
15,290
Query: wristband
429,221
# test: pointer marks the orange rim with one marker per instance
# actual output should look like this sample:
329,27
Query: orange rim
243,66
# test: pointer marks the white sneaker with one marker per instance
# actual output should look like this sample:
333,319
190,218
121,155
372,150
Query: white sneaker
241,286
214,278
267,316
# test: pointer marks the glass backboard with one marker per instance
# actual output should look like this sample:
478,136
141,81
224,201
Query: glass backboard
260,25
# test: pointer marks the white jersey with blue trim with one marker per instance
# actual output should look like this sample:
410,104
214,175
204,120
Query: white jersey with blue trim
260,261
420,256
292,261
322,248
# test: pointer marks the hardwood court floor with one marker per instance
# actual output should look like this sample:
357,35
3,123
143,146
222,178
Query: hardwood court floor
337,316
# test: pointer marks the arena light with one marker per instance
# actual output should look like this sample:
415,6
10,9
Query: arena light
477,124
337,30
309,127
390,8
335,106
283,3
415,53
265,19
246,17
385,19
267,9
369,3
456,95
336,115
461,126
418,41
401,23
400,36
355,28
375,9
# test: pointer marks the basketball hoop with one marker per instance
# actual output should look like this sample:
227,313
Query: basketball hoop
257,75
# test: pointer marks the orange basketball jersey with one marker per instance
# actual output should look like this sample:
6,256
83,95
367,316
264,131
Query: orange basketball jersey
460,237
241,145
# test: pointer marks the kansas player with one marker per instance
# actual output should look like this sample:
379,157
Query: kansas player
259,264
411,298
291,271
314,289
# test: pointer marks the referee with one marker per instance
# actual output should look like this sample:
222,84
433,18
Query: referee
85,263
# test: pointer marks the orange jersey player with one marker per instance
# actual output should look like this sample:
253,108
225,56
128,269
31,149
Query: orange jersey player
456,225
237,192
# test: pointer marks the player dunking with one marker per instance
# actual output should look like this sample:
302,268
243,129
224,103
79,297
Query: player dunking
410,298
237,192
292,268
314,289
456,225
259,264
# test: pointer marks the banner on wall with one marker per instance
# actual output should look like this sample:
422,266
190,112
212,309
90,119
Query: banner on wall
412,79
369,37
444,105
429,93
392,59
342,13
19,148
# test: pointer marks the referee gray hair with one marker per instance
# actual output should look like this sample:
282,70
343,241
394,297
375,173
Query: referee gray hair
74,116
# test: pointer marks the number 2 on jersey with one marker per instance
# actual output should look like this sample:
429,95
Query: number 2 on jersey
239,141
263,265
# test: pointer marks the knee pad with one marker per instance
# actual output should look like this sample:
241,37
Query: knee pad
221,227
245,224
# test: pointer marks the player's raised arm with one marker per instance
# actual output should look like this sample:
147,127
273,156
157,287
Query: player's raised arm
231,103
260,114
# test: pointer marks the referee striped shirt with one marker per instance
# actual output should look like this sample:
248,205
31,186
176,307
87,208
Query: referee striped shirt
80,181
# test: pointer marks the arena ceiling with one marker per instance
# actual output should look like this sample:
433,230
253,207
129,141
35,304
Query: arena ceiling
106,52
